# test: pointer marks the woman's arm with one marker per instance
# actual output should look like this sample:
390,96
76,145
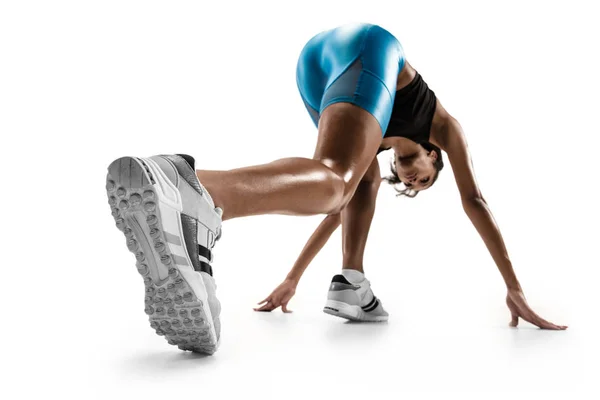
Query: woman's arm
314,245
454,143
473,202
282,294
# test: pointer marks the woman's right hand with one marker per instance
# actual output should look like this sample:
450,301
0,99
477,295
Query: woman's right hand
280,297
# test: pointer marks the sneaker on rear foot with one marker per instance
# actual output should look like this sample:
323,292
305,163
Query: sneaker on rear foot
171,225
350,296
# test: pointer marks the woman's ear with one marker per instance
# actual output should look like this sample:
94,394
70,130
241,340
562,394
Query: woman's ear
433,155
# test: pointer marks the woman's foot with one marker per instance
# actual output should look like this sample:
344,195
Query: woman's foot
171,225
350,296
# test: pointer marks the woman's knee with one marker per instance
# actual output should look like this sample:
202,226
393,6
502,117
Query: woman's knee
335,188
340,187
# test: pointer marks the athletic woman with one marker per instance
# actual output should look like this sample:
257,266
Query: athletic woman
363,96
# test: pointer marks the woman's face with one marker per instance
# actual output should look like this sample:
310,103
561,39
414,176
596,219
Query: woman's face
417,172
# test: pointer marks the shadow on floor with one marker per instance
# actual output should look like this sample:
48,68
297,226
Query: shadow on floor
165,362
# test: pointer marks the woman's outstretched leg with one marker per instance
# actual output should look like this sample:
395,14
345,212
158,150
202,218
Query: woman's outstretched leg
347,143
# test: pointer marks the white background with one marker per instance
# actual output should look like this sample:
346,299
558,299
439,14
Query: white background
82,83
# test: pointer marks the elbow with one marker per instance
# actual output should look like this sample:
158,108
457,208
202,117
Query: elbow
473,201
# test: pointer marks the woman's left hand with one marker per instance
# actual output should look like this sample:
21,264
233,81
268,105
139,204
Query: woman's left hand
517,304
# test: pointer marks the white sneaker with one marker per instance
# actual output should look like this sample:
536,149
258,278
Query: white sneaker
350,296
171,225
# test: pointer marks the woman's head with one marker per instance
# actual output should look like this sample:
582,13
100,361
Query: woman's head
417,172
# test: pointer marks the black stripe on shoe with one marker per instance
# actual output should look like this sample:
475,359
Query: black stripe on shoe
372,305
190,230
204,252
205,267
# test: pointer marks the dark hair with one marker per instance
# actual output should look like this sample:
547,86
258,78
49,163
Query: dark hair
394,179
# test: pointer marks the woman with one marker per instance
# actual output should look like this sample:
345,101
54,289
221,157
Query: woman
362,95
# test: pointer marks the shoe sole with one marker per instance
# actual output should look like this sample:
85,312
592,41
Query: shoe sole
146,207
350,312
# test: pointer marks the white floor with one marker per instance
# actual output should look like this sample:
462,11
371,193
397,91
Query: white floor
447,336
